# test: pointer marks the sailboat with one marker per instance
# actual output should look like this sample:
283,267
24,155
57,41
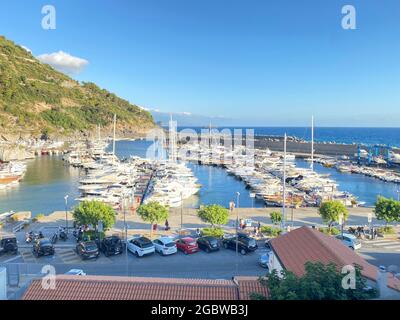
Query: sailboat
311,159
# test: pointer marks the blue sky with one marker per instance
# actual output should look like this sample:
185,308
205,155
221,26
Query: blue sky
257,62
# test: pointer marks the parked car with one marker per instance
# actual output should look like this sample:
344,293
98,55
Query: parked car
76,272
8,244
208,244
87,250
187,245
245,243
141,246
350,241
111,246
43,247
165,246
263,260
267,244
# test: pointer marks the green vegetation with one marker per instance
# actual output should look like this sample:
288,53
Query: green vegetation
387,209
153,212
92,235
270,231
320,282
38,217
331,231
330,212
212,232
34,96
386,230
276,217
214,214
91,212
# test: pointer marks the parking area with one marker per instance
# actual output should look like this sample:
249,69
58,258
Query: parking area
221,264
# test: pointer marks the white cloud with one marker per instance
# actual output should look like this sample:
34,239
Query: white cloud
64,62
27,49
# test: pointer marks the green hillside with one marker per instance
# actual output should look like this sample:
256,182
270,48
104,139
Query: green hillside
36,98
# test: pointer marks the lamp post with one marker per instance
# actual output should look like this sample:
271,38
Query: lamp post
124,198
341,222
66,213
181,210
237,231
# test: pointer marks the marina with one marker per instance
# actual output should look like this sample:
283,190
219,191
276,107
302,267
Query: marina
47,175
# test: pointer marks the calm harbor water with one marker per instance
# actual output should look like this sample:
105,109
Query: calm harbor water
42,190
48,180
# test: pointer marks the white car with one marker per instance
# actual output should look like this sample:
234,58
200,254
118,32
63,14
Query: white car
350,241
141,246
165,246
76,272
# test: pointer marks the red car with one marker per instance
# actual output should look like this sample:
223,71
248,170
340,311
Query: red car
187,245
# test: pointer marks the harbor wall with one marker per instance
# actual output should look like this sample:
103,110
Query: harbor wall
304,148
13,153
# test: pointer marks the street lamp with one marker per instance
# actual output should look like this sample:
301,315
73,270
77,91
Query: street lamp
124,200
237,230
341,222
181,210
66,213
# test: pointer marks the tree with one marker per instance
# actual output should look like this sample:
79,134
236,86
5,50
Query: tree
330,212
387,209
153,212
276,217
320,282
214,214
91,212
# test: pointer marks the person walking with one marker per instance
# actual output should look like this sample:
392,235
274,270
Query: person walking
167,225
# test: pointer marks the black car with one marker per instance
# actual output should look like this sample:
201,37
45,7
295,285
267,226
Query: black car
8,244
208,243
111,246
43,247
245,243
87,250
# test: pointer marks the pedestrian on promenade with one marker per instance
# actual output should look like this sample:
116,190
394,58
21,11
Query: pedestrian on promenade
167,225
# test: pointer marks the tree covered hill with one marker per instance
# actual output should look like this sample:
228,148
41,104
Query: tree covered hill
35,98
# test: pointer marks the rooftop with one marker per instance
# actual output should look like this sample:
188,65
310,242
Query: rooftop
70,287
305,244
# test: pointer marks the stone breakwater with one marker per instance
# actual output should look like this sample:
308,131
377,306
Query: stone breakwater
14,153
304,148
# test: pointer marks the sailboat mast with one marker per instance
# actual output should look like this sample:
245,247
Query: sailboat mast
115,121
284,183
312,143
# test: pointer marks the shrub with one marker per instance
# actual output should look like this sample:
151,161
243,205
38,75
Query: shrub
92,235
386,230
213,232
270,231
331,232
276,217
38,217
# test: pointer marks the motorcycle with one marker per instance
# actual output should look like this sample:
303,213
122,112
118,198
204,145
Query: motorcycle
54,238
62,234
32,236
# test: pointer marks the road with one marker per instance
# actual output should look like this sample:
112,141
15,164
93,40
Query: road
216,265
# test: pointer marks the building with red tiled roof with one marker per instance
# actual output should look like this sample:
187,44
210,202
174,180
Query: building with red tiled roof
137,288
292,250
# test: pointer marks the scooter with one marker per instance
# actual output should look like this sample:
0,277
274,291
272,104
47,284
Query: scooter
62,234
32,236
54,238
